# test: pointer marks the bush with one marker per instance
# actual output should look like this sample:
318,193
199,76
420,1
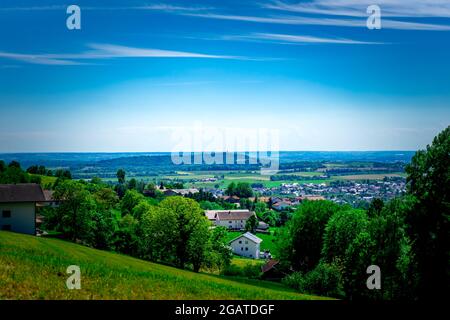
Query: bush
323,280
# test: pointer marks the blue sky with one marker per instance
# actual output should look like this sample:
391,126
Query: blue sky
137,70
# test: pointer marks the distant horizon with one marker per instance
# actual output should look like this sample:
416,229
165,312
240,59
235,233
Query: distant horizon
169,152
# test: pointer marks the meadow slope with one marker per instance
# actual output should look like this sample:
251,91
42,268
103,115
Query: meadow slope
35,268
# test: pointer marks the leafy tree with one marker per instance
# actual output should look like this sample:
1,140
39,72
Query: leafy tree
243,190
375,207
231,189
120,176
104,228
429,181
176,232
74,215
63,174
14,164
126,237
260,207
2,166
300,241
218,252
106,198
208,205
340,231
96,180
132,184
251,224
130,200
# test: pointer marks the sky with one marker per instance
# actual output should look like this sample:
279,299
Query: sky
143,76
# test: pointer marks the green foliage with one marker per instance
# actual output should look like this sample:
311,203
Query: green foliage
130,200
300,241
429,221
208,205
325,279
74,215
340,231
251,224
176,232
241,189
120,176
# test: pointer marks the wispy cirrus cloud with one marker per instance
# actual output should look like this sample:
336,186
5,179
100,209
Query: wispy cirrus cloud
105,51
336,22
356,8
296,39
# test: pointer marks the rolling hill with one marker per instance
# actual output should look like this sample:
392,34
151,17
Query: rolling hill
35,268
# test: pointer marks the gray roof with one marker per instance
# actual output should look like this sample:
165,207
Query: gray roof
230,214
24,192
250,236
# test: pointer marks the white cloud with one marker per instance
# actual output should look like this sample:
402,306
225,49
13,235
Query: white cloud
298,39
106,51
357,8
299,20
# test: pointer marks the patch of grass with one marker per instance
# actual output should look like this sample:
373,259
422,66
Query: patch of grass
35,268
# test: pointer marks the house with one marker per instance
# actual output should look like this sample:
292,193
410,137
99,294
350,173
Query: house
232,199
246,245
281,205
270,270
180,192
18,207
230,219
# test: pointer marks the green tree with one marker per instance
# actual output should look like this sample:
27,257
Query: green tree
74,214
130,200
429,181
342,228
243,190
231,189
251,224
106,198
177,232
300,241
120,176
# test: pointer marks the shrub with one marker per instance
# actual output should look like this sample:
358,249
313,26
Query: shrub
325,279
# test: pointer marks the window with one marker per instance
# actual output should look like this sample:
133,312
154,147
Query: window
229,221
240,241
6,227
246,242
6,214
246,248
242,248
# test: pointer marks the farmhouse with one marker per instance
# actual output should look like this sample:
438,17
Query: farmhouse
231,219
18,206
246,245
180,192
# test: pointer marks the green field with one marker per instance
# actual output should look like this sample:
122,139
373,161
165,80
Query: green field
35,268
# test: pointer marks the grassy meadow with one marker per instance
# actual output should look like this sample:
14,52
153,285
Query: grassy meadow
35,268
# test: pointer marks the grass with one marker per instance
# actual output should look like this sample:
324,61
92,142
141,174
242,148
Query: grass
45,179
35,268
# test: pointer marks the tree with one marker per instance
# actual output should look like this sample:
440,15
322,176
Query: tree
120,176
2,166
106,198
218,252
300,241
130,200
14,164
428,179
132,184
243,190
251,224
375,207
74,215
231,189
63,174
177,232
340,231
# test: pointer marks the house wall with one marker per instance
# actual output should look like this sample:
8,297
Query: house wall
231,224
241,248
22,218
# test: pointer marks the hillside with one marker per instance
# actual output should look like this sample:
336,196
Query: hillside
35,268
